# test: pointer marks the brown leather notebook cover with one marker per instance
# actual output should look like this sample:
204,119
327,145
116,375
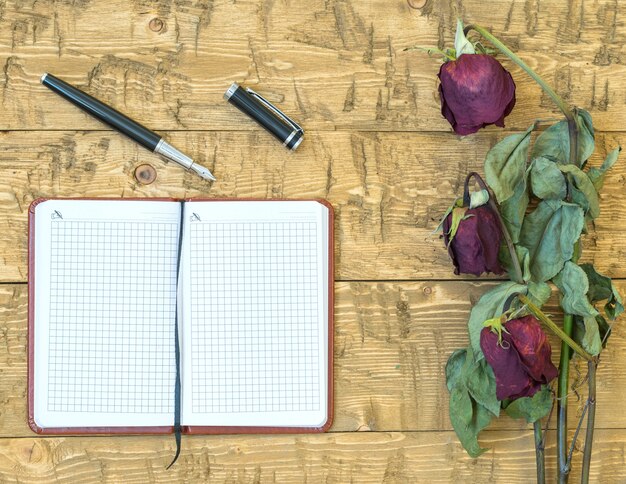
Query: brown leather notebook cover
186,428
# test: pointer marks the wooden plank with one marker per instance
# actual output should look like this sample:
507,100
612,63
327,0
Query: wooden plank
329,63
388,189
392,341
363,457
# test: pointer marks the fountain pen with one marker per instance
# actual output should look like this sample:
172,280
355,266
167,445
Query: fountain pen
123,124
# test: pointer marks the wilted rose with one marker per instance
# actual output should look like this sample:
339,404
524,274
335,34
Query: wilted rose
475,91
520,359
473,240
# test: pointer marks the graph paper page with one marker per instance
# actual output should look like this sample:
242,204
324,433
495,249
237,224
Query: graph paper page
255,314
105,293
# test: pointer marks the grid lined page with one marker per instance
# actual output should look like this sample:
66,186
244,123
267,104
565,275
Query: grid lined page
112,297
256,316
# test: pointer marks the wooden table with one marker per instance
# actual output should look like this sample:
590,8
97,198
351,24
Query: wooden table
376,147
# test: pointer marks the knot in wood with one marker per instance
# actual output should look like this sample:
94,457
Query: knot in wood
416,3
156,25
145,174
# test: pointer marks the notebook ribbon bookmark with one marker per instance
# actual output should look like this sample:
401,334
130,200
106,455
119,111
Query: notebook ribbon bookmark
177,384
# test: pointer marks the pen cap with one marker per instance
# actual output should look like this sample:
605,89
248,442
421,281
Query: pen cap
265,114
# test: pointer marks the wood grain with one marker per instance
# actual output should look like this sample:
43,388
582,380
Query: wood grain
331,64
388,189
392,341
363,457
376,146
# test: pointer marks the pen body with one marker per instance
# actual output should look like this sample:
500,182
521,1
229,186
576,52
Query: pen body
104,113
257,108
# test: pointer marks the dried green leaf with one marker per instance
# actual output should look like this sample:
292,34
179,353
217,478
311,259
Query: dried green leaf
553,143
539,293
458,215
461,44
582,334
591,341
481,197
596,175
461,407
513,210
580,180
454,368
466,380
505,164
601,288
504,256
573,284
549,233
457,203
531,408
546,180
481,382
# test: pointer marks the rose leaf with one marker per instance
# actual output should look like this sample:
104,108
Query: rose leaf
549,233
554,141
585,194
468,417
601,288
513,209
596,175
539,292
461,44
481,383
588,333
505,164
574,285
546,180
531,408
504,256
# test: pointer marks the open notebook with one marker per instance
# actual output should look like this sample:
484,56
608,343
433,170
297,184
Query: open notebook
254,305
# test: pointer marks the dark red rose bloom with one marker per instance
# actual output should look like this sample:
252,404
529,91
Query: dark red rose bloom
475,91
474,246
521,362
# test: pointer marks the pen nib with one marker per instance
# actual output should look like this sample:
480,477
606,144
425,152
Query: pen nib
203,172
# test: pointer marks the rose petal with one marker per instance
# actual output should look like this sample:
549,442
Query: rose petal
474,249
490,235
512,380
445,110
533,348
467,248
477,91
447,223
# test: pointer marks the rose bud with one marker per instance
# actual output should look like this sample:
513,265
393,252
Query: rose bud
473,236
475,91
519,353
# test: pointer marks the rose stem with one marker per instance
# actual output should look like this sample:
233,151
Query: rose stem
507,237
591,417
566,354
564,463
575,438
539,452
539,314
568,319
561,403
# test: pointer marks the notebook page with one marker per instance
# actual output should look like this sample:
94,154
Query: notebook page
105,297
255,314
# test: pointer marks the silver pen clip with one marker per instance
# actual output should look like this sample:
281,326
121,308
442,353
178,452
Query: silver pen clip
275,110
